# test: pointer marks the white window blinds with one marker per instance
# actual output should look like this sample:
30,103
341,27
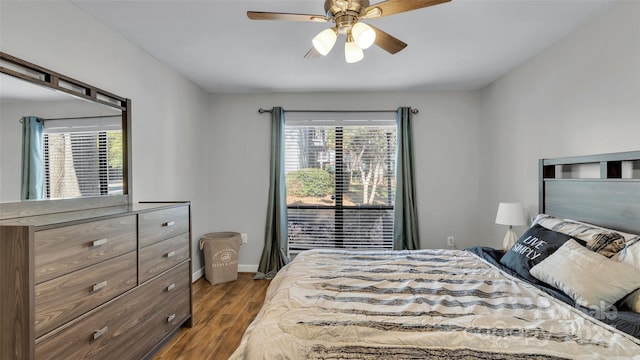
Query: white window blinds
81,160
340,181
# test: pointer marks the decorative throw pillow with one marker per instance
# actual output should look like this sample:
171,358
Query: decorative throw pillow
535,245
633,301
604,241
606,244
627,236
631,256
547,221
590,279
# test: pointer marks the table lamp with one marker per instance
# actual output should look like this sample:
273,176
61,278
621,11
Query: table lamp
510,214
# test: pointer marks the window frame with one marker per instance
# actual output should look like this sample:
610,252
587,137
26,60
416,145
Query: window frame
341,175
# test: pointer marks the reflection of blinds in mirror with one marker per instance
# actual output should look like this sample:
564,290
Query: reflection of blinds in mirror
83,163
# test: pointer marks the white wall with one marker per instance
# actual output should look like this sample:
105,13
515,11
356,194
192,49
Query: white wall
474,148
446,149
579,97
169,114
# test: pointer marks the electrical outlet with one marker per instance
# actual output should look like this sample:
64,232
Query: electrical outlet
244,238
451,241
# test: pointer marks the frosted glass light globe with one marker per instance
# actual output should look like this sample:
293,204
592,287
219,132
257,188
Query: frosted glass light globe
324,41
364,35
352,52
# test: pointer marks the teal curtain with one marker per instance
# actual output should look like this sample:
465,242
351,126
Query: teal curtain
274,254
405,225
32,158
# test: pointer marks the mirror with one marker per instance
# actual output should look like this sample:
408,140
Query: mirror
74,136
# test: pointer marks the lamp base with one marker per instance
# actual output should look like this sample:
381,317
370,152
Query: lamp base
509,240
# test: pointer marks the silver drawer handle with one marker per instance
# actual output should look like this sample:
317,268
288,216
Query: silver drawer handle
99,286
171,287
171,254
171,317
169,224
98,333
97,243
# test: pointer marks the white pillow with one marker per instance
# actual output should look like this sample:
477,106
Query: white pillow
631,256
627,236
605,241
633,301
566,226
590,279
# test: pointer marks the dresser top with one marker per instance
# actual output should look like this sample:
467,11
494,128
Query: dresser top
82,215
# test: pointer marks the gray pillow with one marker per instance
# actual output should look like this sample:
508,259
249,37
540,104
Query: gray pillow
535,245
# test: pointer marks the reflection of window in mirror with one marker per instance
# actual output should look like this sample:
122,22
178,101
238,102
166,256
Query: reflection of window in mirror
75,157
83,158
80,145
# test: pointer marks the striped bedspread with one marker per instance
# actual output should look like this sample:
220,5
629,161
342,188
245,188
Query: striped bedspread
426,304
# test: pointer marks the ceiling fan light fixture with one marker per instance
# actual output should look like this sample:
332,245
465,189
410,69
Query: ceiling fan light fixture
352,52
364,35
325,40
346,16
373,13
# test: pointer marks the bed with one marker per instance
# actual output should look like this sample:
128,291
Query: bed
573,293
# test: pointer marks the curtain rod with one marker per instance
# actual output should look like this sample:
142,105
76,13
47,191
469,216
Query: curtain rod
79,117
414,111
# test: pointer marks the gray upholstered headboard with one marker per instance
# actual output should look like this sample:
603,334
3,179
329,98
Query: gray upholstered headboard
600,189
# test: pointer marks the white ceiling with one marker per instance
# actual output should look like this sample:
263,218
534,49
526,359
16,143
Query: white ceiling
463,44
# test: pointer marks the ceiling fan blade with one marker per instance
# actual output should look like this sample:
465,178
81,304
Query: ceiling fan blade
258,15
388,42
391,7
312,54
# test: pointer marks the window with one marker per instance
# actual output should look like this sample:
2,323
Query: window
340,178
83,161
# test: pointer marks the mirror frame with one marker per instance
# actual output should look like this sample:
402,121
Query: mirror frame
24,70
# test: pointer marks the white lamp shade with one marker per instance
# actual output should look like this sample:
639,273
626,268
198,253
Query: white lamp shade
510,214
352,52
324,41
364,35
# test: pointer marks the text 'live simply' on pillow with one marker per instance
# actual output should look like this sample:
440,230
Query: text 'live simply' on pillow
535,245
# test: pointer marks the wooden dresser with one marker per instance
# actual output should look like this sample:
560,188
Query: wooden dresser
106,283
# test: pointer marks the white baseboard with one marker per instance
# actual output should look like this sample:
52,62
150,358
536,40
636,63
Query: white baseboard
247,268
197,274
241,268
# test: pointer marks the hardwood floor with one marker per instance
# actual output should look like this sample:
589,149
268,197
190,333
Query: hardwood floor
221,315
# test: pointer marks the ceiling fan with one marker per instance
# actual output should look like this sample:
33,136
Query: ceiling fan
347,16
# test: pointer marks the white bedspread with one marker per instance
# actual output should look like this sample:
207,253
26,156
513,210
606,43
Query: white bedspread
427,304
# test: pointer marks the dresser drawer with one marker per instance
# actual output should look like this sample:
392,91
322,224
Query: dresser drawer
63,250
156,258
68,296
162,224
164,320
118,330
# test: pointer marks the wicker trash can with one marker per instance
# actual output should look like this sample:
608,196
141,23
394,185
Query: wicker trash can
221,256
